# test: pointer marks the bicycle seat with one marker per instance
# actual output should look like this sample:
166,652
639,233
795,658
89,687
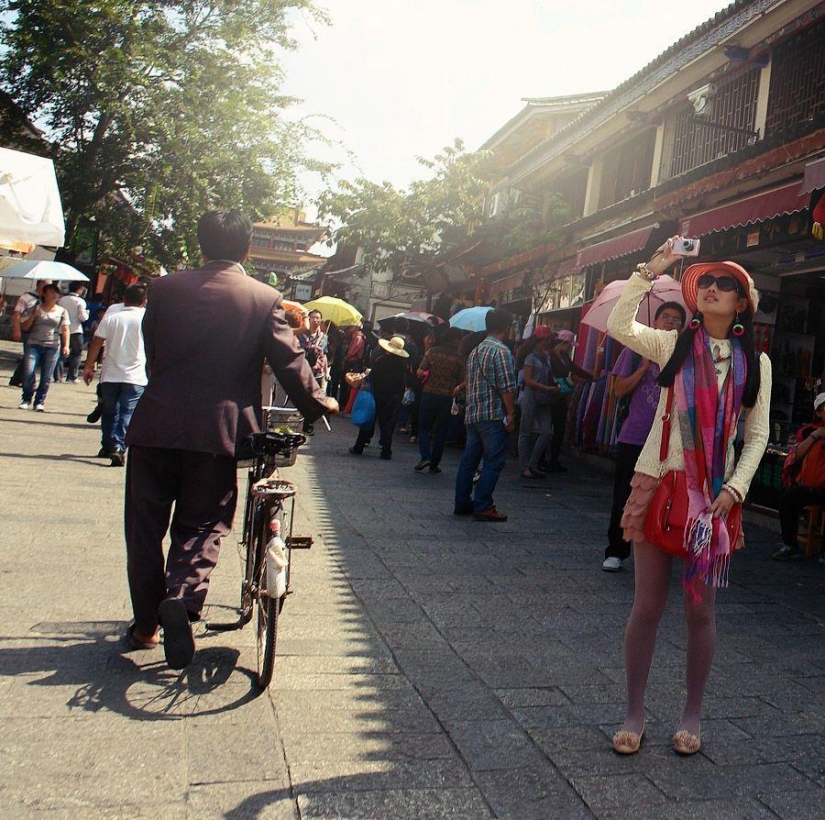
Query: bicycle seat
270,443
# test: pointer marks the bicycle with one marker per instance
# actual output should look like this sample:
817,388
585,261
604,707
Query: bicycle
269,543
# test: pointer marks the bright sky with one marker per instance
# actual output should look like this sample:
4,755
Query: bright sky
402,78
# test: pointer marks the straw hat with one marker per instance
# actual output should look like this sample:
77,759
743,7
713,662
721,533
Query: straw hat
395,345
692,274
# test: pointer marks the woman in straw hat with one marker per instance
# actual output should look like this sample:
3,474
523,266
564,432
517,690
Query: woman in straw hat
387,378
714,374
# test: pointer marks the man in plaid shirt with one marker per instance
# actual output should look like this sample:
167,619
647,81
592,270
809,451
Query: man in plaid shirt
491,405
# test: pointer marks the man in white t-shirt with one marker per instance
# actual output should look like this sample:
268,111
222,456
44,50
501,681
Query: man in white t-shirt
123,376
75,306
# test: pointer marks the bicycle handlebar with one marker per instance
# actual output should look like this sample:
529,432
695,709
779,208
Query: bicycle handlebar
269,443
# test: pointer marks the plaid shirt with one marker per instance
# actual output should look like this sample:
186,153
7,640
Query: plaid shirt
490,372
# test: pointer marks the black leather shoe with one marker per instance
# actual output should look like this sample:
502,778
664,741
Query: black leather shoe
178,643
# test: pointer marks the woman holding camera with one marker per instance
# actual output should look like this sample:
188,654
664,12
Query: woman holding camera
713,373
48,337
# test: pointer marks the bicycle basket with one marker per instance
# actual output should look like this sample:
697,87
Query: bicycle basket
286,420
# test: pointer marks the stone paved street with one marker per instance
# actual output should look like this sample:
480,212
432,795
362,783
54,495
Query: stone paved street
428,666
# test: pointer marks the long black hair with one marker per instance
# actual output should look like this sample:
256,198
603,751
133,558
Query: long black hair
684,346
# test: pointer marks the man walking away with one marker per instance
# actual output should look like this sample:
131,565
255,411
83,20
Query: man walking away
75,306
207,333
491,406
123,376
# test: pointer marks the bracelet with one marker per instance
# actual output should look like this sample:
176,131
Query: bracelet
645,272
737,496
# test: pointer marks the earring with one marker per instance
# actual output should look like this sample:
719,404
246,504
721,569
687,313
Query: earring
738,328
696,321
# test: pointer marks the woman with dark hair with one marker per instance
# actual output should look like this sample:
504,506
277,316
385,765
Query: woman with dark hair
714,375
48,338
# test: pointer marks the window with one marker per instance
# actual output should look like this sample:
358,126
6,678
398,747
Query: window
797,79
627,169
689,142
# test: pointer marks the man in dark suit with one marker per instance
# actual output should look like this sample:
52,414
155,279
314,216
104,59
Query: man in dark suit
207,333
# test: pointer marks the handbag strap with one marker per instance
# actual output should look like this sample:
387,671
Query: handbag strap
667,419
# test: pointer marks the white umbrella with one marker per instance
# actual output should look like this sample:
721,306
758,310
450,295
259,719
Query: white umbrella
30,209
665,289
40,269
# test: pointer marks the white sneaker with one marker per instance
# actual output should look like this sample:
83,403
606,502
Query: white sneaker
24,405
40,408
612,564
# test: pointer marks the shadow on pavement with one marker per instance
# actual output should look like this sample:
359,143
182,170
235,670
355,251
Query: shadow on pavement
108,675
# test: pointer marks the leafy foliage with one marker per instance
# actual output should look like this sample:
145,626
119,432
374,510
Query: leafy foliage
399,229
159,110
528,227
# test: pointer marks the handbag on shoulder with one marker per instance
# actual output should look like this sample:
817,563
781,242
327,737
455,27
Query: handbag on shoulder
668,511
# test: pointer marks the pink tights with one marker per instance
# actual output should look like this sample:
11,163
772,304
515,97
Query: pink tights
653,570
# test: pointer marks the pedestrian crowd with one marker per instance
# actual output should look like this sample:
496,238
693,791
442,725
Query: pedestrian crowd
183,394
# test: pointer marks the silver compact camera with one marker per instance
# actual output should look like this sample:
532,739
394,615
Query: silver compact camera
682,246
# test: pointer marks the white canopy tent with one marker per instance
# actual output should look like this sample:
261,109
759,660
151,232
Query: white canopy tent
30,207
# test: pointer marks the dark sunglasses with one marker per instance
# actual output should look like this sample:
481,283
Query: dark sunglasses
724,283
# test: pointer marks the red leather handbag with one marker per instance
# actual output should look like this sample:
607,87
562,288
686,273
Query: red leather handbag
668,511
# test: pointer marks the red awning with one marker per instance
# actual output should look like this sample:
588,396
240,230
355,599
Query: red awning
814,177
511,282
568,266
614,248
757,208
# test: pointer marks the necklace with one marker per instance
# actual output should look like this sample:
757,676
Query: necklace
719,355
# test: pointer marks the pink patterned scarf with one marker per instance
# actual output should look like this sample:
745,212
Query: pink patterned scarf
702,409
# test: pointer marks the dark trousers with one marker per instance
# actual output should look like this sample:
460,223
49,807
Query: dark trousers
387,406
559,412
75,355
203,489
626,457
433,417
791,503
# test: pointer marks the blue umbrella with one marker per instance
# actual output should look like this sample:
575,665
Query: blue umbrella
472,318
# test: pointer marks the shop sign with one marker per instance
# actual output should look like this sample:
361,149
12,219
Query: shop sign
303,291
784,228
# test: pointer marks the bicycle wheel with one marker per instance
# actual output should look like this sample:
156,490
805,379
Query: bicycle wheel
266,616
266,633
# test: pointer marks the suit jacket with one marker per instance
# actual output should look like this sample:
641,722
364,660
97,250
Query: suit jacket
207,333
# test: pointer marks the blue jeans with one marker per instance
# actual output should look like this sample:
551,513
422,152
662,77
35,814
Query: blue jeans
119,401
434,415
38,357
487,439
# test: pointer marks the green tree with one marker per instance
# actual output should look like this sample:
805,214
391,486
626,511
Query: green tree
159,110
408,229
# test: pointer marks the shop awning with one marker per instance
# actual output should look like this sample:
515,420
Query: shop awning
814,177
614,248
508,283
757,208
